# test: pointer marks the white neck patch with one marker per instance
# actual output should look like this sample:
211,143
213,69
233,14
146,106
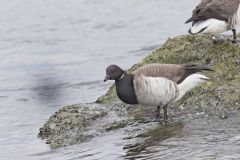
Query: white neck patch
121,76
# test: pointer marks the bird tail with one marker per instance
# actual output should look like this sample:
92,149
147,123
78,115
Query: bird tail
191,82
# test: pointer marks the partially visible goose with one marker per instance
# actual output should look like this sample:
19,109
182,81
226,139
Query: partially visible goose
215,16
155,84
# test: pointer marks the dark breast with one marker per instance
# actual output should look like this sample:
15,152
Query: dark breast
125,90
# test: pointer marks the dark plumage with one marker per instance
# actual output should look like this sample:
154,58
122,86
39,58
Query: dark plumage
219,10
174,72
155,84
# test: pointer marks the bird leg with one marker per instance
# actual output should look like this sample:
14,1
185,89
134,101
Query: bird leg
139,110
165,113
234,36
158,114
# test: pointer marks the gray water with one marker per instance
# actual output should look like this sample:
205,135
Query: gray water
54,53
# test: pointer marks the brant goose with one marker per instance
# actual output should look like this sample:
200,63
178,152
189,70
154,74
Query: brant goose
155,84
215,16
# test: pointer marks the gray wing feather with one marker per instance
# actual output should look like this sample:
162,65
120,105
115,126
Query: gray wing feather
218,9
174,72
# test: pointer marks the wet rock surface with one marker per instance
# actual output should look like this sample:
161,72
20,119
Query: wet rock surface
70,124
209,108
81,122
199,136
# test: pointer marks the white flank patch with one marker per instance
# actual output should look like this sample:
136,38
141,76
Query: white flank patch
190,82
213,26
154,91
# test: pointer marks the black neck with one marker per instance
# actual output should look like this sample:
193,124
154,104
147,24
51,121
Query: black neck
125,89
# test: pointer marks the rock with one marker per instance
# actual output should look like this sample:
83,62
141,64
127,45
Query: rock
218,38
81,122
116,125
69,124
223,115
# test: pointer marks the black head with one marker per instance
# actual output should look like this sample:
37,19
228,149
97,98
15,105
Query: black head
113,72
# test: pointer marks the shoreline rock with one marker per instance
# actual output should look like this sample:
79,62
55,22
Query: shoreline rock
81,122
69,125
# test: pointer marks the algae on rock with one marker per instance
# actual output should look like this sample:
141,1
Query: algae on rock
69,125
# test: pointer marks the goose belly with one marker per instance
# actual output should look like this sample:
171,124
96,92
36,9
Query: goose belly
155,91
209,26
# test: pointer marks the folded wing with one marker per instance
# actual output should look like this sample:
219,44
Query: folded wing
174,72
217,9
